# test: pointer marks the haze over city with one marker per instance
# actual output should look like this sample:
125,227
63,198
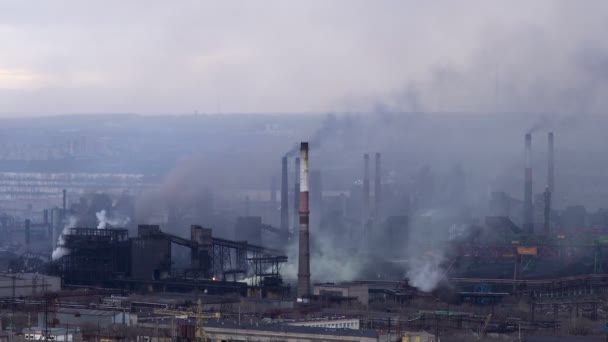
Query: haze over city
303,170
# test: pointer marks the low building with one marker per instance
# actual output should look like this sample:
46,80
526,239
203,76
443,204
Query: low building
79,316
27,284
52,334
333,323
226,331
359,292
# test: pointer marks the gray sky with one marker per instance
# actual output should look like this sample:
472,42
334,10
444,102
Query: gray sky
297,56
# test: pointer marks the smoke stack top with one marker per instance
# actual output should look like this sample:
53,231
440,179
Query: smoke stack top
303,169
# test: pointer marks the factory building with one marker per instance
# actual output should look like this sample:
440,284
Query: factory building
358,292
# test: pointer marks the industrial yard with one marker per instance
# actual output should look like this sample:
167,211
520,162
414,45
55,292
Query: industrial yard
304,171
85,269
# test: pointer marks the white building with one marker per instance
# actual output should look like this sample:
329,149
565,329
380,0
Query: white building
54,334
334,323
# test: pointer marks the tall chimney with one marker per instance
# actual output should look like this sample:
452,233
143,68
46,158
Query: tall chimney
547,211
377,190
366,194
528,207
64,198
27,233
551,165
273,192
550,190
284,197
296,196
304,247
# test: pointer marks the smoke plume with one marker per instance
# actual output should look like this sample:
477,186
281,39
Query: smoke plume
61,250
104,220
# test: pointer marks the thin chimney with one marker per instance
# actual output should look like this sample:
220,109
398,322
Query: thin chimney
27,233
64,199
296,196
284,197
550,190
551,165
304,246
547,211
528,206
366,190
378,190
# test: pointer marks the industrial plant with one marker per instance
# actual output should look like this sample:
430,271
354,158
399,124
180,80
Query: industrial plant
310,262
304,171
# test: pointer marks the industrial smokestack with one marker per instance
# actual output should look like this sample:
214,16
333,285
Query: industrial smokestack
284,197
27,233
273,192
296,196
64,198
377,190
550,166
366,194
547,211
304,247
528,207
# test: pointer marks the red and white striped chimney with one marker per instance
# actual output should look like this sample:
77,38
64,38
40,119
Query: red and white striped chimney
304,246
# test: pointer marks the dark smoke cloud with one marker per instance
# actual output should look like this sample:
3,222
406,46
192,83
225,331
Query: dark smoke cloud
329,126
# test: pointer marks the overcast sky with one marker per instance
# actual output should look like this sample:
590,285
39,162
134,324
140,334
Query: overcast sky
299,56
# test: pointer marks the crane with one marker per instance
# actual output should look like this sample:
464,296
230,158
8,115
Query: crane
199,315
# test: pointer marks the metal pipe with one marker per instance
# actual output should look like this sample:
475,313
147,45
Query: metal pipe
528,206
284,225
304,247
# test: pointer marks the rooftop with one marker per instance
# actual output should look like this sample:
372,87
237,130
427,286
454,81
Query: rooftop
291,329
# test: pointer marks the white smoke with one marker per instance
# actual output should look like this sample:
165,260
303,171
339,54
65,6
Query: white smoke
61,250
425,272
104,220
